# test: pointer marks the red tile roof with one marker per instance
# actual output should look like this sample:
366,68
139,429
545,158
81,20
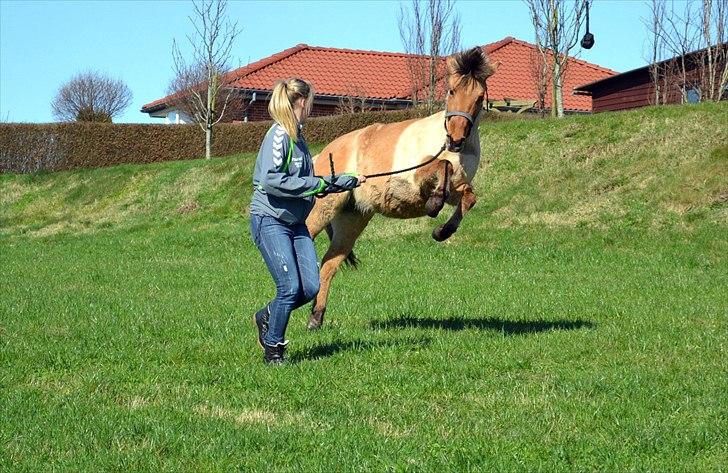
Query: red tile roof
383,75
515,76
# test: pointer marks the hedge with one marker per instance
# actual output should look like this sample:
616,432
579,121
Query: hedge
26,148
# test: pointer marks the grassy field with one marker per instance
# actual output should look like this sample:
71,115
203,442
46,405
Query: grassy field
577,321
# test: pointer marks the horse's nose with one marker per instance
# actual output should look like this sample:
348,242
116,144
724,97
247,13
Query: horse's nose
455,146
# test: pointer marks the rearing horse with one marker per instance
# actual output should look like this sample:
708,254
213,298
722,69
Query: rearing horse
424,191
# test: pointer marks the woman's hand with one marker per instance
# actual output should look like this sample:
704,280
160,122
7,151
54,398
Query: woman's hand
361,179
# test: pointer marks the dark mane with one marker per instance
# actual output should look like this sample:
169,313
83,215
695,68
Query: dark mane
470,65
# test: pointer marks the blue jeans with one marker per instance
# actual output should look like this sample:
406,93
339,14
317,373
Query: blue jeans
290,255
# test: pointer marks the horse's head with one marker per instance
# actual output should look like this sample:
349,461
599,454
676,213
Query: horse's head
466,75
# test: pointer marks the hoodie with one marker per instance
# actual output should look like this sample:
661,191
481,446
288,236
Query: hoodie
283,179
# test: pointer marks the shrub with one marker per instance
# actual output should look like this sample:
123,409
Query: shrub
26,148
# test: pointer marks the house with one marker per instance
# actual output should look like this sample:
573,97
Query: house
636,88
380,80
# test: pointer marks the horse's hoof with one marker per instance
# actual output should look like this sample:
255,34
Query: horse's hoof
442,233
316,319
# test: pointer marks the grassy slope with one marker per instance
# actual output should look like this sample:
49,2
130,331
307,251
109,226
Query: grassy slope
652,167
576,321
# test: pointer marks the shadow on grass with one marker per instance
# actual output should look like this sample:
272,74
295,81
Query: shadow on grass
507,327
325,350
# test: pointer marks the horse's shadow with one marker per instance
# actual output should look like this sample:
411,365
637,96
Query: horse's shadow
328,349
506,327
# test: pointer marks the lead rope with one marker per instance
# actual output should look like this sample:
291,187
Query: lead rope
390,173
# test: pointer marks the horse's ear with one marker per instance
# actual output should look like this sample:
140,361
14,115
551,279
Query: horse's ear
493,67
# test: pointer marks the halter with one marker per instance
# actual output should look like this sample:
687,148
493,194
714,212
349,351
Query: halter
470,118
457,113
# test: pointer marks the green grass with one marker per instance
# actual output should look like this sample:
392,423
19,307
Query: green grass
577,321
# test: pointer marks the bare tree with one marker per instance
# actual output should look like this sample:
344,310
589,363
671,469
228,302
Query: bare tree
200,84
681,37
428,36
91,96
714,61
353,101
540,73
655,24
556,24
689,53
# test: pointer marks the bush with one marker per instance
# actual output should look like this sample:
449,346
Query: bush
88,114
26,148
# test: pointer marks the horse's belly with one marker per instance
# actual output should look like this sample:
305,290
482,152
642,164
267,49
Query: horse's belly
399,199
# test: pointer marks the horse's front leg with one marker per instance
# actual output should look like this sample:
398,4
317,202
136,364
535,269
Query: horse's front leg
439,172
466,202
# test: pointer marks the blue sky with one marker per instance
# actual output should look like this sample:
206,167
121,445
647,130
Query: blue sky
44,43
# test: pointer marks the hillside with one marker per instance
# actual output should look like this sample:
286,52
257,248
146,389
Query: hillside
649,168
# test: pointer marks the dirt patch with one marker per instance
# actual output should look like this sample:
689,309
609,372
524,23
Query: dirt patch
137,402
188,208
245,416
387,429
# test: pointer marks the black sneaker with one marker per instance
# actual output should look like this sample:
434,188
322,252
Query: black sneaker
261,321
274,354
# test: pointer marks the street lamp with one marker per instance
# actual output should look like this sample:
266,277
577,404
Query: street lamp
588,40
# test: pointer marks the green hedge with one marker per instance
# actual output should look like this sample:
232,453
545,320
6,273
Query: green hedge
26,148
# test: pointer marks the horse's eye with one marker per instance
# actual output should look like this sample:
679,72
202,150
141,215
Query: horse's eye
450,92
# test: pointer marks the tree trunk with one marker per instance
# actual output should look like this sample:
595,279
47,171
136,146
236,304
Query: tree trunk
559,89
432,82
554,43
208,115
554,88
208,141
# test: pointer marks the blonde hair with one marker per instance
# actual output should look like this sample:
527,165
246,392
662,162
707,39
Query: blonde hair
285,93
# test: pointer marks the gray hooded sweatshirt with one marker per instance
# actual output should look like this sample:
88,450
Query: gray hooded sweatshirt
283,180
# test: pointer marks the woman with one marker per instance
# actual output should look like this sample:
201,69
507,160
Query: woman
283,196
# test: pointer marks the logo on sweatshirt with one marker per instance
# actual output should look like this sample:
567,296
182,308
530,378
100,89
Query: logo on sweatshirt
278,146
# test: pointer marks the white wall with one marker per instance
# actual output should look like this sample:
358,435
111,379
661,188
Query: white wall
175,117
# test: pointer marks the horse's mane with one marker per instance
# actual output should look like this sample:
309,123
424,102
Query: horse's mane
470,65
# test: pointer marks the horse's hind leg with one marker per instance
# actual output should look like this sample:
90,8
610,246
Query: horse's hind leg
347,226
440,171
466,202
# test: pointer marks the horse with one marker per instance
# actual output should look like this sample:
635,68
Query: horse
387,148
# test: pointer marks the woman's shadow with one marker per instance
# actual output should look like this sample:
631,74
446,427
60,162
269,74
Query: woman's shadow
328,349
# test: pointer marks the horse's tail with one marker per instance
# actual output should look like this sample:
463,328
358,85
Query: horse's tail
351,260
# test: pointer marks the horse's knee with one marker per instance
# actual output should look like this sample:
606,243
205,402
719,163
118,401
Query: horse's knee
469,200
441,193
